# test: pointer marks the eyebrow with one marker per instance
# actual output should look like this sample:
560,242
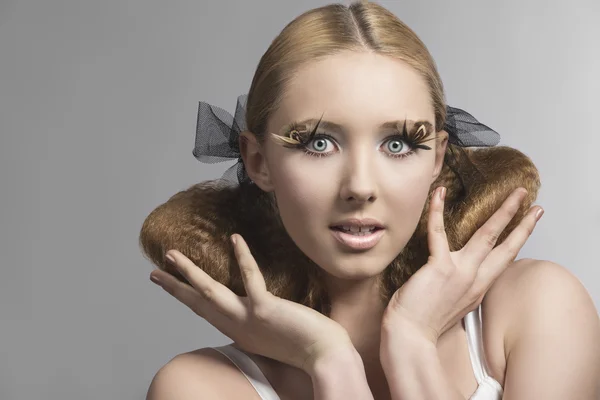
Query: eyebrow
332,126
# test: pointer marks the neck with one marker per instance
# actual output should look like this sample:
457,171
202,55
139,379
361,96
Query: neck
357,306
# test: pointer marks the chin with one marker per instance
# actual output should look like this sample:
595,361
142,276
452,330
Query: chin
355,266
352,274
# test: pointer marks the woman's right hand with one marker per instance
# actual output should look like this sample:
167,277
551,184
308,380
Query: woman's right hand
260,323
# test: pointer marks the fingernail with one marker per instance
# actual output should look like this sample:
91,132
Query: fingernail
442,193
522,193
154,279
233,239
539,214
170,258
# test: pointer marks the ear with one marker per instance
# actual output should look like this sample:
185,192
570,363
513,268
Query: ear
254,160
441,142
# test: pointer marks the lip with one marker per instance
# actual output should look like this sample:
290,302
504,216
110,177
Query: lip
359,222
356,242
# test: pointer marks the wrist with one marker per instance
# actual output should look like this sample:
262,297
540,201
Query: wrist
413,369
340,375
334,360
403,346
407,331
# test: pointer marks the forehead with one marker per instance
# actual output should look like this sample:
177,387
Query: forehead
359,90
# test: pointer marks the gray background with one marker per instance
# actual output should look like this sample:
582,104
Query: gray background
98,104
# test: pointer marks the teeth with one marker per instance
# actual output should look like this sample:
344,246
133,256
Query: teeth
356,229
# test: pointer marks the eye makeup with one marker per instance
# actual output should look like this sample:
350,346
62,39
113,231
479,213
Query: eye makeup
299,135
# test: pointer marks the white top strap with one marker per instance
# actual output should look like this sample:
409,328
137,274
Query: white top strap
250,370
488,388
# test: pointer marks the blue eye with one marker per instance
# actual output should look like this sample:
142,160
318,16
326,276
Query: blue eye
319,143
395,144
396,147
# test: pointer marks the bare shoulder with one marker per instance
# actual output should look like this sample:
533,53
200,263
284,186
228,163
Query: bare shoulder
534,292
200,374
531,285
521,280
535,286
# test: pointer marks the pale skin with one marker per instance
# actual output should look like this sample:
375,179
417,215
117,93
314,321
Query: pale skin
407,348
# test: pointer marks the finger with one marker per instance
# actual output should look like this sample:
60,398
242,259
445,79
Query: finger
437,238
503,255
254,281
483,241
188,295
181,291
213,292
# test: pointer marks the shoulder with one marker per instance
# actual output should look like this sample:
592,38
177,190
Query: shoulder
548,321
532,290
529,279
204,373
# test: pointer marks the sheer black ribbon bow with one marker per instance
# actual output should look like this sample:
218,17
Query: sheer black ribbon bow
217,133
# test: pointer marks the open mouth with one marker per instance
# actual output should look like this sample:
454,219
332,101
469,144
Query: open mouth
357,239
356,231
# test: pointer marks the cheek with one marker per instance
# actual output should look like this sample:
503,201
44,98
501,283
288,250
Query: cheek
405,192
302,195
304,198
403,198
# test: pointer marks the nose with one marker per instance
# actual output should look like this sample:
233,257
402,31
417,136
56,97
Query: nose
358,183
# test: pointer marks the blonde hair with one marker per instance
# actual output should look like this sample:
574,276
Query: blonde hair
324,31
198,221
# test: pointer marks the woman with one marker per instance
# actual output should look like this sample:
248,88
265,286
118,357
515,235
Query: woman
371,257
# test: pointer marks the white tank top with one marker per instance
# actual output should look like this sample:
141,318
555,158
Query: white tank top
488,388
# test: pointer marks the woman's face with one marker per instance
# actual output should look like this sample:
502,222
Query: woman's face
365,171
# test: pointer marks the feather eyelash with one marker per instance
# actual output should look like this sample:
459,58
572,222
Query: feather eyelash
293,138
294,133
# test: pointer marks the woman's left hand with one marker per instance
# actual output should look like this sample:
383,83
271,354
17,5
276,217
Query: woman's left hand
452,284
